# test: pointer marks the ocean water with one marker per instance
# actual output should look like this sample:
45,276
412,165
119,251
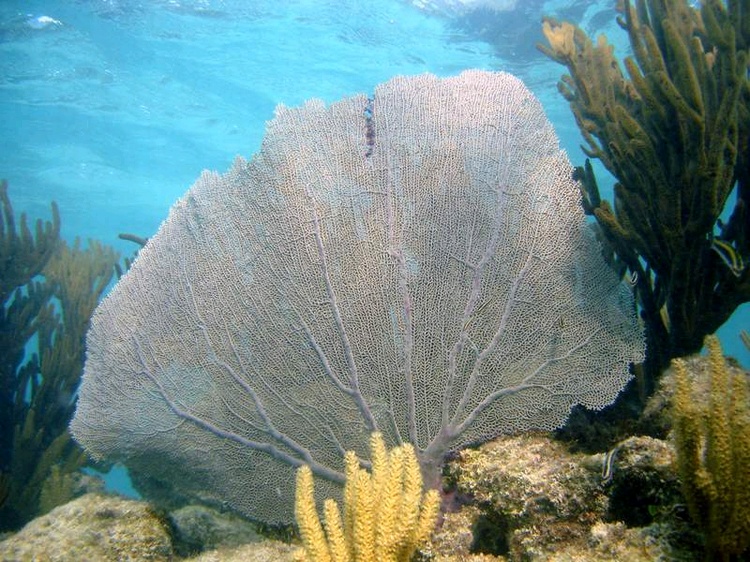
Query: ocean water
113,107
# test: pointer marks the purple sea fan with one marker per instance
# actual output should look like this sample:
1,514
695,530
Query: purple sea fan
417,264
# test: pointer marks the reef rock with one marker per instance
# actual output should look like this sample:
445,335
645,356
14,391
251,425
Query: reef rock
197,528
266,551
92,527
528,498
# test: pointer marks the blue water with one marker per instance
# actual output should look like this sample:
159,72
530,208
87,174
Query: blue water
113,107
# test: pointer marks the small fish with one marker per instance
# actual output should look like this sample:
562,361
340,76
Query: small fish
369,127
745,337
632,279
608,465
731,258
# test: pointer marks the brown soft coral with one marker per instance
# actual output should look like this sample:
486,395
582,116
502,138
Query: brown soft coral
673,130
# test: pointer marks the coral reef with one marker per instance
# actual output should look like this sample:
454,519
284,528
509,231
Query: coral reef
530,499
641,482
657,416
712,438
386,514
98,527
526,483
48,290
674,133
266,551
517,498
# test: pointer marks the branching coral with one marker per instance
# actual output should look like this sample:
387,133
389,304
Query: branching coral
48,292
713,453
25,305
386,514
674,133
23,255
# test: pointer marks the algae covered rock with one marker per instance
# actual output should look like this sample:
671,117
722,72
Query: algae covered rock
197,528
614,542
529,482
453,540
643,480
266,551
531,499
92,527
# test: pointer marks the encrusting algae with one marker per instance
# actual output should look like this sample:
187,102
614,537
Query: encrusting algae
386,517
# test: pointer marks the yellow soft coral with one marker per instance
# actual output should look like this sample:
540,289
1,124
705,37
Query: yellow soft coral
386,517
713,453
